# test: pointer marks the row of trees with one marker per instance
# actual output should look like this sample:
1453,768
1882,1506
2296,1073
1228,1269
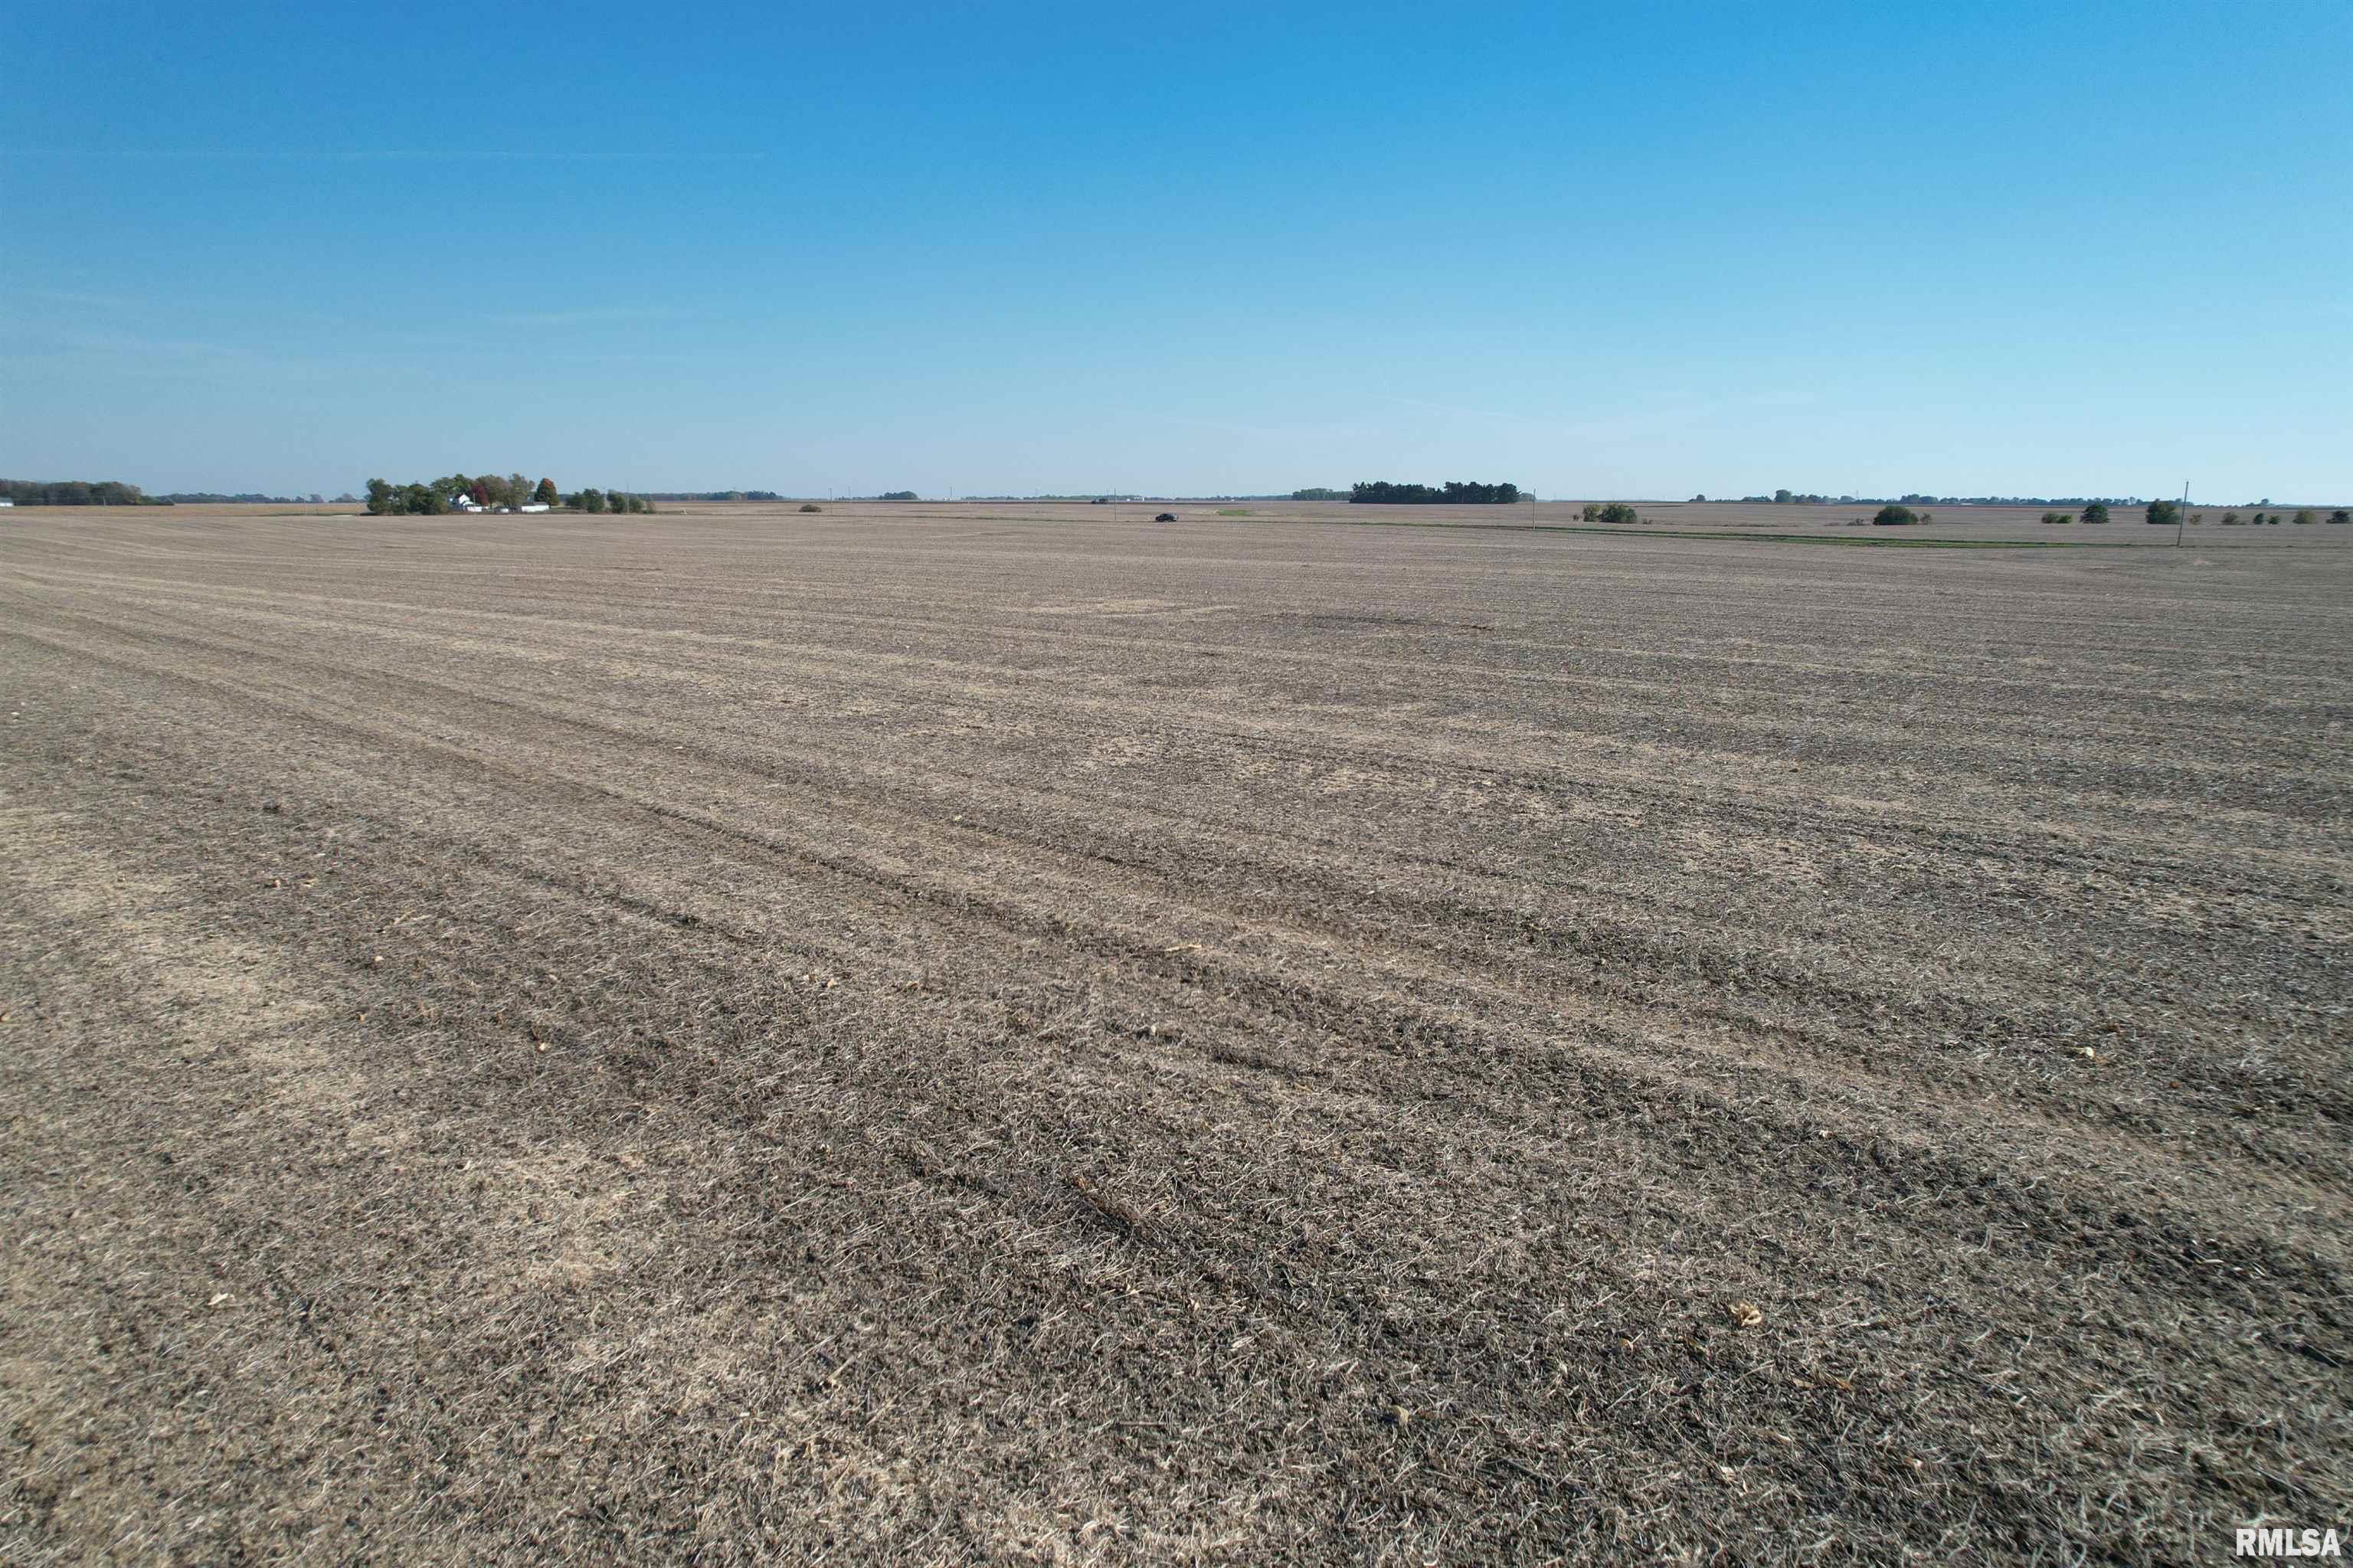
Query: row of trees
1381,492
436,496
450,493
2088,503
241,498
2165,512
2304,515
76,492
2168,515
607,501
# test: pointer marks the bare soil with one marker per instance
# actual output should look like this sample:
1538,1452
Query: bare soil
935,1034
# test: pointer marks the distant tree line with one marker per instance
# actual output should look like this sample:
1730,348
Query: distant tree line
77,492
490,492
2161,511
2304,515
606,501
1383,493
1319,492
712,496
242,498
433,497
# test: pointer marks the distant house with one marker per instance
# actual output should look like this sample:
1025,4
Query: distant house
532,506
5,501
466,503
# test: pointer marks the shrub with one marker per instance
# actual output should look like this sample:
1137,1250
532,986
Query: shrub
2233,520
2097,512
1894,516
811,506
2303,516
2055,518
2165,514
2340,515
1617,513
1165,517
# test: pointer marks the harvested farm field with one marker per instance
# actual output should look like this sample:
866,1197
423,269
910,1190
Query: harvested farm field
1015,1033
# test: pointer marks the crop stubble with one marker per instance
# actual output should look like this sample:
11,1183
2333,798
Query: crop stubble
1010,1033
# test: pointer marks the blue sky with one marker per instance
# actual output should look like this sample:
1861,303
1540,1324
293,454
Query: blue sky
1640,250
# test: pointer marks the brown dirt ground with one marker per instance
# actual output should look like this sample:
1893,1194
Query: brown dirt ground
1014,1034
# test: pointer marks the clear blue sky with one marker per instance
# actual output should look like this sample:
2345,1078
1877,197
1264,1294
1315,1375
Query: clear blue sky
1634,250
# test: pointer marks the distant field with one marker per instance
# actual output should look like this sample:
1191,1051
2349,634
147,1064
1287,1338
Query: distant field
1966,524
1012,1032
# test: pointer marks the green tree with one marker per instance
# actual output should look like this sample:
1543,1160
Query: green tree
1618,514
1893,516
2055,518
2096,512
2304,516
1782,497
592,499
546,495
382,499
2340,515
2165,514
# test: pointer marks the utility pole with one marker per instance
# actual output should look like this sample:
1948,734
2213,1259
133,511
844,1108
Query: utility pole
2181,518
